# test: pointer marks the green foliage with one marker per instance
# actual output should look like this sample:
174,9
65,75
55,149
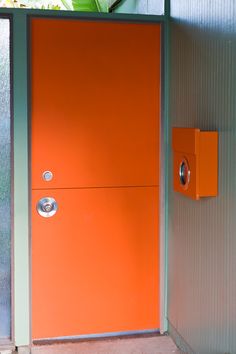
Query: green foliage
102,5
72,5
67,5
85,5
50,7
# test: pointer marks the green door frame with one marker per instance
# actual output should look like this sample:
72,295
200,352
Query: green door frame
19,18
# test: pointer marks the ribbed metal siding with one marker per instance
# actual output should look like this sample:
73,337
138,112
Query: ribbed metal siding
202,234
5,183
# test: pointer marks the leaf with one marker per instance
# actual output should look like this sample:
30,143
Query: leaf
85,5
102,5
67,5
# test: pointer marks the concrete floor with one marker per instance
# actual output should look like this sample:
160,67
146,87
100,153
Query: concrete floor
138,345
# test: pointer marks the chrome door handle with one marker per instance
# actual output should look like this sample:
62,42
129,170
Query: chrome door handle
47,207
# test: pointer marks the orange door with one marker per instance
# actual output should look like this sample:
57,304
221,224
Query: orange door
95,127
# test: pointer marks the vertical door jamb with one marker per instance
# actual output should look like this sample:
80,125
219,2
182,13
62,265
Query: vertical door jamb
21,185
164,174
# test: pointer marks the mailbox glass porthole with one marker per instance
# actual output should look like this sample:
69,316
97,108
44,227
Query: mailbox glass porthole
184,173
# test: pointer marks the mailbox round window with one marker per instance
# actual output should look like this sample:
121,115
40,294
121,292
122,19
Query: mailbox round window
184,173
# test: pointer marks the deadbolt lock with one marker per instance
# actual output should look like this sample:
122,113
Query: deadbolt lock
47,207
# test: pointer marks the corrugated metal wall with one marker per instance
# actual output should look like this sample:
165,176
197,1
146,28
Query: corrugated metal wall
5,183
202,234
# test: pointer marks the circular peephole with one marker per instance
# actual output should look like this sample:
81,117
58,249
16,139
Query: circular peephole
184,173
47,176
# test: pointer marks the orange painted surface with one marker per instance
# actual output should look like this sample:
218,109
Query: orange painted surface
95,264
200,150
185,140
95,125
96,103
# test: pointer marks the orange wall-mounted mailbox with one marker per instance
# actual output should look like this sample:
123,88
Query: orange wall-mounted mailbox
195,171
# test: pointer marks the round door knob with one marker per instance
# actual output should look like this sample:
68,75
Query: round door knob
47,207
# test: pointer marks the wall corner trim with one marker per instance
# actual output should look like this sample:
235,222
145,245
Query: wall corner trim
21,201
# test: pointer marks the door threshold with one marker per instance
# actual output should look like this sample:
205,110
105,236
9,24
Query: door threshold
6,348
102,336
